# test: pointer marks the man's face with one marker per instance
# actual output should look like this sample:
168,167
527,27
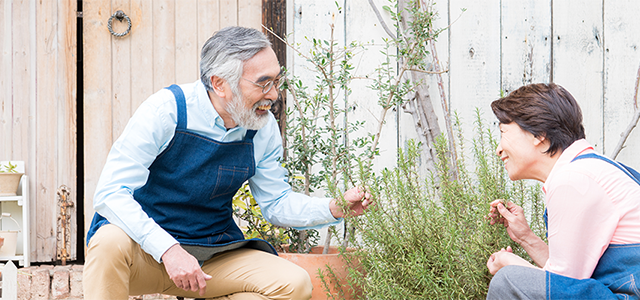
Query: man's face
250,109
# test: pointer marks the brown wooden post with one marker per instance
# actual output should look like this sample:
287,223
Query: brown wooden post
274,17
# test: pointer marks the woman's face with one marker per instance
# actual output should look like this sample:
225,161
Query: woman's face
519,150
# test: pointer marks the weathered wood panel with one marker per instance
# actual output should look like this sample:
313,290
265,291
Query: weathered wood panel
98,95
589,47
120,73
526,48
622,60
38,119
474,67
578,60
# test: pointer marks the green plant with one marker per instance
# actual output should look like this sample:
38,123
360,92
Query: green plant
8,168
428,239
255,225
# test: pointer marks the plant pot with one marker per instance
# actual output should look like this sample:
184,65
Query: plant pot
315,262
9,183
10,242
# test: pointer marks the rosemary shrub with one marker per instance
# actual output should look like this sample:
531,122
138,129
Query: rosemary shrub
428,238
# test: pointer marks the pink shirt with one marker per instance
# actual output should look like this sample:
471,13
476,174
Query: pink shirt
590,204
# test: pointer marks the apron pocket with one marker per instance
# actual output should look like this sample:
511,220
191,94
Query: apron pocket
229,180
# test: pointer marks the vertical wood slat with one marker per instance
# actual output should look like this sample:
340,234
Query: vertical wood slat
578,61
97,96
141,52
67,124
21,79
186,41
274,18
228,13
164,64
121,66
247,12
622,60
474,59
45,195
208,22
364,102
6,69
526,48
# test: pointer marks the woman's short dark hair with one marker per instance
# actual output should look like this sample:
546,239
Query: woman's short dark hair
544,110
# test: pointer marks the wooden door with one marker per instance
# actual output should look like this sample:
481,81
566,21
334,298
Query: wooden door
38,112
162,48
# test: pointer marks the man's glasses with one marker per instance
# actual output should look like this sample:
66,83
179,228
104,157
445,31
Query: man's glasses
277,82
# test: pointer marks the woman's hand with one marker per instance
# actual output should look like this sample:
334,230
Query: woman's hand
505,257
512,218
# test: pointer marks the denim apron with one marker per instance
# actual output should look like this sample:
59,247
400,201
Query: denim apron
190,189
615,274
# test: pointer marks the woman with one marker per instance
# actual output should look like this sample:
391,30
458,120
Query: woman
592,205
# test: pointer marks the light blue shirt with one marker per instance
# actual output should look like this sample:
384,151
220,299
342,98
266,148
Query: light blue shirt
148,133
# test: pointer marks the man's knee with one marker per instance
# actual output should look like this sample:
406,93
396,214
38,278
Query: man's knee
110,242
300,282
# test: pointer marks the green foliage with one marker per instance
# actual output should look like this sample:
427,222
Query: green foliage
429,239
247,209
8,168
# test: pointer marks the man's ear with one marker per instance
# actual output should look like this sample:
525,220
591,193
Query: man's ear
219,86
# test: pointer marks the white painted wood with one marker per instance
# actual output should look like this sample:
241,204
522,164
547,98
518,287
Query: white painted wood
525,43
187,50
474,78
141,54
364,100
622,60
578,60
248,12
9,281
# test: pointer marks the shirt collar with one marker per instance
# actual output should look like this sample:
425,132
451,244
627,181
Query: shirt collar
204,102
578,147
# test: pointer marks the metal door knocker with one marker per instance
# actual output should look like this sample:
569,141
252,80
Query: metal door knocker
120,16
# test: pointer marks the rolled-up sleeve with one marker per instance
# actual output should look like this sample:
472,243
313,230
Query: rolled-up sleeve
280,205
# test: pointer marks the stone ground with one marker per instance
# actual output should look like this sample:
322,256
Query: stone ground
48,282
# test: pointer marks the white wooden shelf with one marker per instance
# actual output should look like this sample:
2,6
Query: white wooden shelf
22,201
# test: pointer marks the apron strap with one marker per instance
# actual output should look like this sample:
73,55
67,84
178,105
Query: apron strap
250,134
181,103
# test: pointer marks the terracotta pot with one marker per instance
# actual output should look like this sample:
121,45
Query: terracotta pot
314,261
9,183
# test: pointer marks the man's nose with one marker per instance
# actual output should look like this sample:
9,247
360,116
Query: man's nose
272,94
499,150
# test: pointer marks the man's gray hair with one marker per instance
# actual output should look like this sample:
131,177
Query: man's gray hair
225,52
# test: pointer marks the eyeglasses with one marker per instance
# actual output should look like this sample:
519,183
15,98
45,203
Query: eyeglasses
270,84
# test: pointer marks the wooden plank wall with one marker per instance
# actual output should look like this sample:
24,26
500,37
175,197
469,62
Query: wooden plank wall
163,48
588,47
38,108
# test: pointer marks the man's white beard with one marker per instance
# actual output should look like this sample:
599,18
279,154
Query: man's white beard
247,118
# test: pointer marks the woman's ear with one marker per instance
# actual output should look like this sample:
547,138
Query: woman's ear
539,140
219,86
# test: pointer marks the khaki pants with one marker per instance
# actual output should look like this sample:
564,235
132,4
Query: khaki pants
117,267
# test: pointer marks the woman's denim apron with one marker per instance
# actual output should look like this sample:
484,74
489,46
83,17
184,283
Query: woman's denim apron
617,271
190,189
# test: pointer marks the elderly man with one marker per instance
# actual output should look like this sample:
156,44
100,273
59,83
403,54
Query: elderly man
163,220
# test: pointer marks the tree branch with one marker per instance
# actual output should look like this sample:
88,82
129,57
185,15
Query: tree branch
382,22
634,121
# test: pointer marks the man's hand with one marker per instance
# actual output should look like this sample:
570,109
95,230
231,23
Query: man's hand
357,201
184,270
